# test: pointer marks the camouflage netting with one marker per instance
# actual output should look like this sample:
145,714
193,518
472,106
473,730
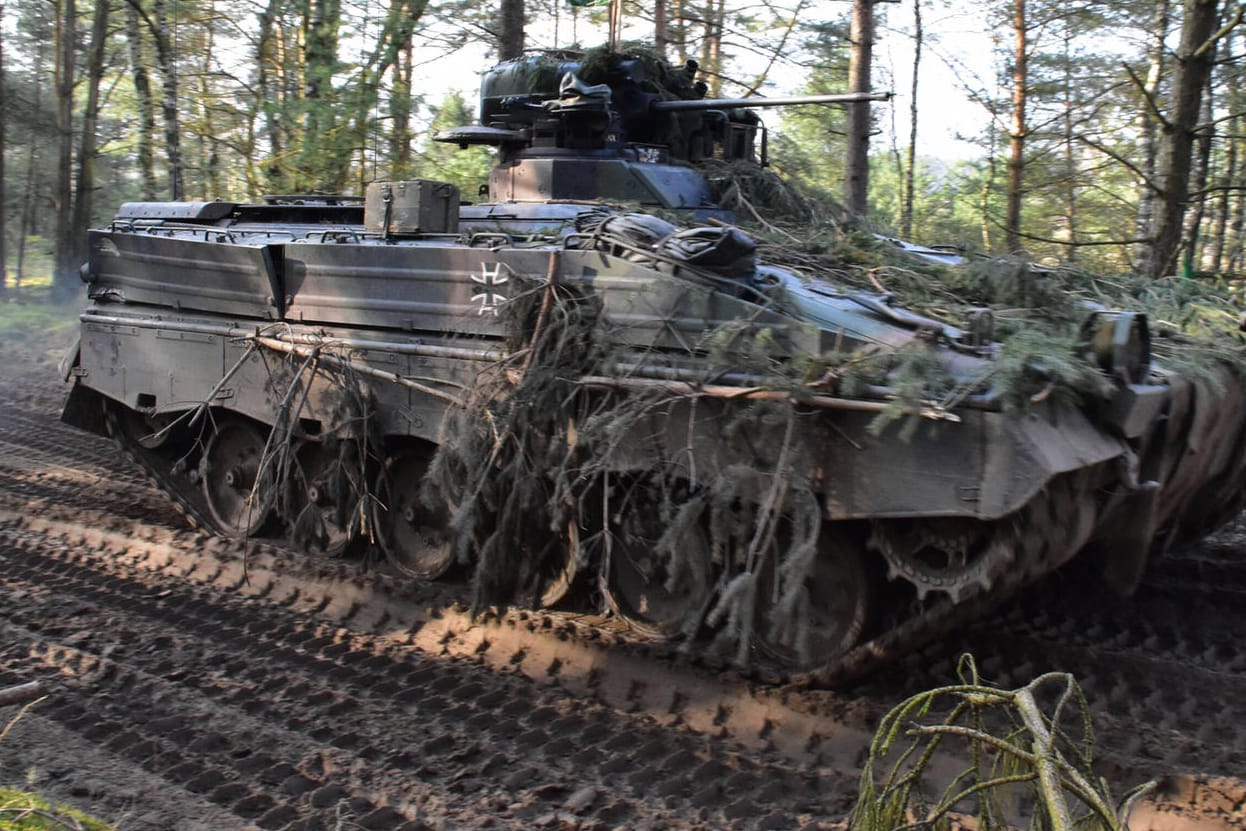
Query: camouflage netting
535,467
599,65
754,192
1196,323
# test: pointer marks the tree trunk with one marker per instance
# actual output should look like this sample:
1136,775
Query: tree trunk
988,185
857,157
510,30
1237,232
1219,239
168,103
4,202
211,186
910,162
712,45
1070,157
659,27
1229,175
1148,128
400,113
84,195
29,197
1189,77
319,62
146,108
65,273
281,90
1193,220
679,32
1017,130
29,202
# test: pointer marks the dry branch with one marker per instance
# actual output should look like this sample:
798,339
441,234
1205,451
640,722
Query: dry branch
20,693
825,402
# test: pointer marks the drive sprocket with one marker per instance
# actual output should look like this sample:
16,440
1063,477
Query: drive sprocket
953,555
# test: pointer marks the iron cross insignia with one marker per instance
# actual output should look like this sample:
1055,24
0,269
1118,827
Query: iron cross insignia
490,277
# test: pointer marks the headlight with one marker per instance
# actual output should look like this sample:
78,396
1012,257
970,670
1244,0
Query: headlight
1119,343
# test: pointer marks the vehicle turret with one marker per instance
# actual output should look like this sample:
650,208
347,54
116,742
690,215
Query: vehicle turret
615,128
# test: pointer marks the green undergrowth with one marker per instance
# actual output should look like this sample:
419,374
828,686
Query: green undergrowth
34,328
22,811
25,811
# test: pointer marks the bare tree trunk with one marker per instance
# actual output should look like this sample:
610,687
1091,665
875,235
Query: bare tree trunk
158,24
1189,77
857,158
712,45
29,208
1149,126
146,108
679,32
988,185
659,27
1070,157
4,202
1017,130
1219,238
168,103
1193,220
210,146
1229,174
320,57
65,274
266,59
30,196
400,112
511,30
1237,232
910,164
88,148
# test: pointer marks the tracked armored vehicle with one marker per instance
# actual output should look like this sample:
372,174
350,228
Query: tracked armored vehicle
585,403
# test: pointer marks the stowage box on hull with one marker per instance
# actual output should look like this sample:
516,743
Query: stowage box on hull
419,206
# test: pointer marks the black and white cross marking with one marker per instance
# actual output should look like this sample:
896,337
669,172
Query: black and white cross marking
490,277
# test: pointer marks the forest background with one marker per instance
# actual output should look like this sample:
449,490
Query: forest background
1111,136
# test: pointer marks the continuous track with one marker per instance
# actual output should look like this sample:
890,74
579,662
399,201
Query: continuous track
264,688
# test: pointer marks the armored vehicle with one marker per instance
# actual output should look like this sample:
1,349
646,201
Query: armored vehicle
586,403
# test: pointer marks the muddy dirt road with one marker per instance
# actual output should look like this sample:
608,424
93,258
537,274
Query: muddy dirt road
197,685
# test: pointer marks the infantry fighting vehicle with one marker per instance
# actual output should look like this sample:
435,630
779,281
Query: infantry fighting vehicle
631,410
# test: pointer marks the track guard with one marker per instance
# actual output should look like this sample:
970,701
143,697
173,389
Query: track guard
84,409
70,360
1124,540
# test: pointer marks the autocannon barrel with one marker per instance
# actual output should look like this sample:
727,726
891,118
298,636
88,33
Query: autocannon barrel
790,101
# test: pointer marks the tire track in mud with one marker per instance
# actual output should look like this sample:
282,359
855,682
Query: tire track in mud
584,657
1164,671
311,690
48,463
